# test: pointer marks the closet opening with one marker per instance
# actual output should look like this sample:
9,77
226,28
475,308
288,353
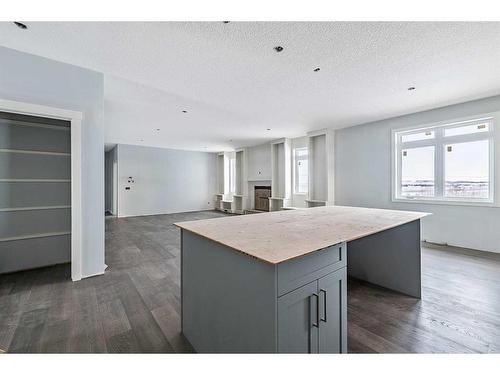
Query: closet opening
40,177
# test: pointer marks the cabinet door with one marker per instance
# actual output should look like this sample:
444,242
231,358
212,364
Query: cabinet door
298,320
333,312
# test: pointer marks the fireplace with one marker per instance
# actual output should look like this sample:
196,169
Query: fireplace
262,194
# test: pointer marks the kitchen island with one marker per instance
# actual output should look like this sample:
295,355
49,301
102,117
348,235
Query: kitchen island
277,282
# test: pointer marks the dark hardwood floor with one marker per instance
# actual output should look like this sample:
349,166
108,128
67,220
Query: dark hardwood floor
135,306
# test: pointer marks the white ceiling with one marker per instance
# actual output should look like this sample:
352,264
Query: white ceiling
235,86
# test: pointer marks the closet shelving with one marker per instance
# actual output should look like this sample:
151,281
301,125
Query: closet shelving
321,178
281,183
35,191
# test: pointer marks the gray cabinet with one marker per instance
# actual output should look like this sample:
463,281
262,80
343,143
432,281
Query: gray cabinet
312,319
297,325
232,303
332,311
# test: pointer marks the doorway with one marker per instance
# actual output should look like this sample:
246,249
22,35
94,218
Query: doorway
111,181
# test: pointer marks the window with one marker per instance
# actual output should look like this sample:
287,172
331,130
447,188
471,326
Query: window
466,169
301,170
417,136
452,162
232,175
417,172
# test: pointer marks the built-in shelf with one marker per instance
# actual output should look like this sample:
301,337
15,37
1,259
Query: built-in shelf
218,201
34,125
276,203
33,180
238,206
12,209
34,152
36,235
315,203
36,185
226,205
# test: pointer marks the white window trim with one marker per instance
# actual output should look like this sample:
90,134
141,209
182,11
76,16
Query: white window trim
493,201
295,179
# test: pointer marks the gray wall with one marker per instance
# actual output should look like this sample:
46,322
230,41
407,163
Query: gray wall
259,162
363,178
33,79
166,180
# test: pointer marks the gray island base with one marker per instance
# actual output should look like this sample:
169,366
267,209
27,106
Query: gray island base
287,293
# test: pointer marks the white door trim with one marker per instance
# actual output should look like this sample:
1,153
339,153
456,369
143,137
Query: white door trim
76,169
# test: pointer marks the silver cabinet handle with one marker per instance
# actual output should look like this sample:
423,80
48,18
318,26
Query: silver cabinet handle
311,324
324,305
317,310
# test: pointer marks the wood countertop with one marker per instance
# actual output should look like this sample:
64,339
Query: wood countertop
276,237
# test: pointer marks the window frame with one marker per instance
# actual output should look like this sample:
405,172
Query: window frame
295,171
439,142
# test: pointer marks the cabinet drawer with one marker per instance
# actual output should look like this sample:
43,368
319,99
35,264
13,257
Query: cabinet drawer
297,272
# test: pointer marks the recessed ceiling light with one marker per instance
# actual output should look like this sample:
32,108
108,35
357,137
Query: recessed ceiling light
278,48
21,25
411,88
317,69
